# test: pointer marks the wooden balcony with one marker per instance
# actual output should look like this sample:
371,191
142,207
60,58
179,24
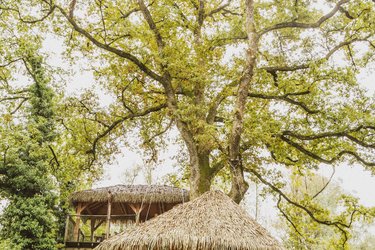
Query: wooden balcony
87,231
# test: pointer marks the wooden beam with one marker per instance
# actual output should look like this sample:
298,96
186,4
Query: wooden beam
77,222
66,228
100,222
92,228
137,208
82,207
123,208
148,211
109,208
96,205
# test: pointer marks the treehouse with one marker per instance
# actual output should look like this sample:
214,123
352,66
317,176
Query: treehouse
104,212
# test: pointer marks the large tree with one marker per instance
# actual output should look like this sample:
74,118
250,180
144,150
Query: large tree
252,87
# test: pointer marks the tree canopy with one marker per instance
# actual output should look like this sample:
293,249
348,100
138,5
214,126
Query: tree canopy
253,88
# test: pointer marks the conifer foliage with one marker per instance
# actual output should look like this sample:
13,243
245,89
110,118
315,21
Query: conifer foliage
28,220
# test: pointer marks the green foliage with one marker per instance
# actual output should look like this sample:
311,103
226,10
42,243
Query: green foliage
41,101
41,159
29,222
5,244
303,232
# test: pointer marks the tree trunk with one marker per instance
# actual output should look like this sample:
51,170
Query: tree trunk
200,175
239,185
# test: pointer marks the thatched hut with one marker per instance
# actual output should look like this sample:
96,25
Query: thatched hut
126,198
98,210
212,221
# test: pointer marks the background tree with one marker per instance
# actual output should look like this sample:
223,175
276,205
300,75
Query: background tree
304,233
250,86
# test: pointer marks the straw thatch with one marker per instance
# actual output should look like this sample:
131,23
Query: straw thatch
132,194
212,221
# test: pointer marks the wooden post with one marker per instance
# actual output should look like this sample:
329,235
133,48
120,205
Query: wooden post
92,228
80,208
66,229
137,215
109,214
77,223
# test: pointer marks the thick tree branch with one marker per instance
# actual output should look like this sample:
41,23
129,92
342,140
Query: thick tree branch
325,185
274,69
30,21
327,161
10,98
72,6
287,217
121,120
127,14
286,99
345,43
19,106
213,109
151,24
116,51
163,131
239,185
54,155
345,134
165,79
346,13
218,9
316,24
10,62
216,167
217,100
311,214
201,13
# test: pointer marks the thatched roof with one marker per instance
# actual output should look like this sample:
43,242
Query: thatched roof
133,194
212,221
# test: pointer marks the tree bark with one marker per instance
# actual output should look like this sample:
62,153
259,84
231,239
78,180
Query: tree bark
239,184
200,174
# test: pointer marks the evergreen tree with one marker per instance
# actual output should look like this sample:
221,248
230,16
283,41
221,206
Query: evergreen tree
29,221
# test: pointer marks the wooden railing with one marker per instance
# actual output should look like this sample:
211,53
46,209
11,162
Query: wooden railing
95,228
